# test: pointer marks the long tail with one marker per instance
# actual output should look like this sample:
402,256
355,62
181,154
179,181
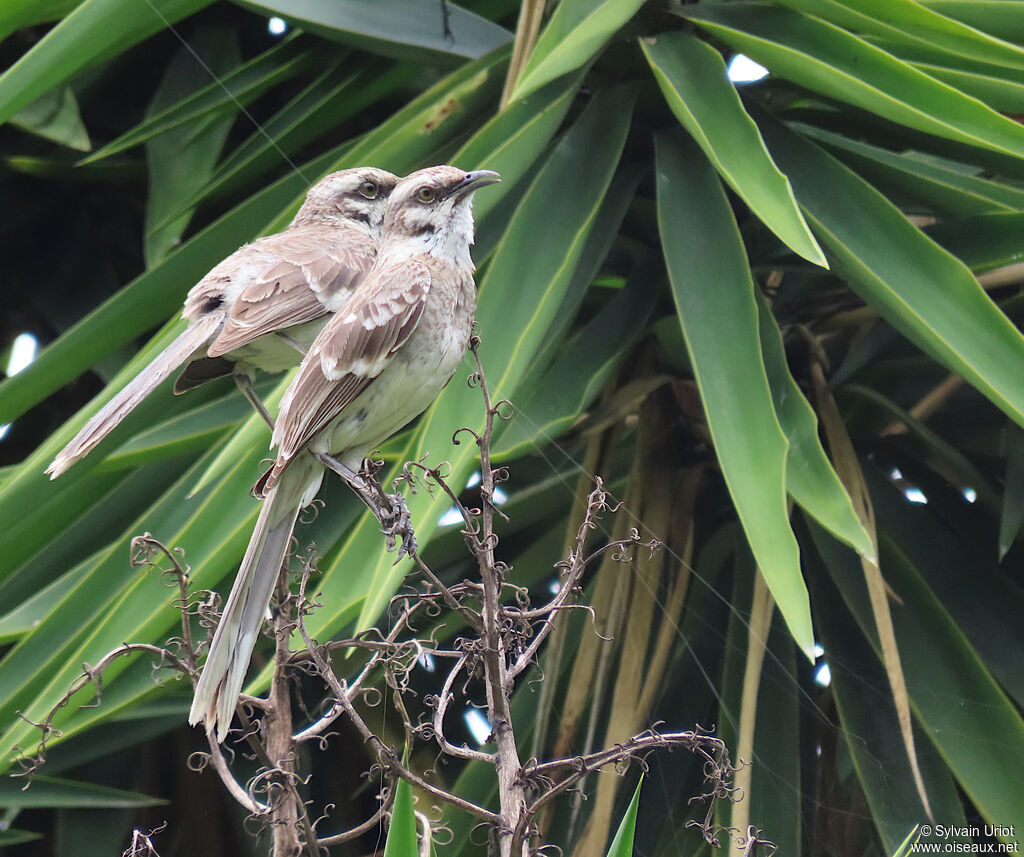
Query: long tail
224,672
195,336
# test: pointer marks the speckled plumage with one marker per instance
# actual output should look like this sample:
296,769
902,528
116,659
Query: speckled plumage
378,363
263,303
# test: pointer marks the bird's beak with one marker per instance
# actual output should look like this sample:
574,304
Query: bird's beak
473,180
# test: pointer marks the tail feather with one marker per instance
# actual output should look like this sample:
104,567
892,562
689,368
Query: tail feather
196,336
224,672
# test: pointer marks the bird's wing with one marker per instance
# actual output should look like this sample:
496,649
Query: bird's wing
310,272
351,351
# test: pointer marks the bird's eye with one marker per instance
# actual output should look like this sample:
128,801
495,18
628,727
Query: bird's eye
369,189
426,194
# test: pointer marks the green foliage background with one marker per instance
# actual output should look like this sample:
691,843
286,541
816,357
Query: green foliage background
678,280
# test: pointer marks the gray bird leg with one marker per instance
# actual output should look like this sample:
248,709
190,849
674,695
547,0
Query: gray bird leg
244,384
390,510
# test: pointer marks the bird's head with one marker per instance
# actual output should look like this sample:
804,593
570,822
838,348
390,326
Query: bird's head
358,195
431,210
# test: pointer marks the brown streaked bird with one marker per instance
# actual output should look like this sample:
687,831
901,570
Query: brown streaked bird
264,304
377,364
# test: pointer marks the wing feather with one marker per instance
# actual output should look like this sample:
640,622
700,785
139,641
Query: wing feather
313,271
351,351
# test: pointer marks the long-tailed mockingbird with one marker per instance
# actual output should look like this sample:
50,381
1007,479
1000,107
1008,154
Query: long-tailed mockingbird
263,305
378,363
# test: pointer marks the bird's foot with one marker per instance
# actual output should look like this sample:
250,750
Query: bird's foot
390,510
396,521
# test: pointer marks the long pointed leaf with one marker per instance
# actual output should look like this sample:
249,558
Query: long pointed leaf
622,844
693,80
711,285
228,91
837,64
96,30
919,288
399,28
810,477
576,31
910,21
966,715
401,840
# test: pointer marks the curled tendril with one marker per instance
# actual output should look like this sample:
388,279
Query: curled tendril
372,697
455,436
503,409
311,512
473,381
442,835
198,761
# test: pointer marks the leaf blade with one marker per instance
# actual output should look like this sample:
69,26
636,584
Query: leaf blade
692,77
702,245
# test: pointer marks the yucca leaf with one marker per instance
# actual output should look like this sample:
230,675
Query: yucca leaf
92,33
693,80
401,28
896,269
228,91
837,64
710,280
575,33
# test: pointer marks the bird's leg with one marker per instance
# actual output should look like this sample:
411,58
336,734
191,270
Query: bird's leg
390,510
244,384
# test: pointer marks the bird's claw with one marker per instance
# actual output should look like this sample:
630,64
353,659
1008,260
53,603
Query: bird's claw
396,520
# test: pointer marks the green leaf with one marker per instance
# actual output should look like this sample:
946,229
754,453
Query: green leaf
981,735
11,836
576,32
193,431
919,288
693,79
867,715
89,521
702,245
907,845
55,117
622,844
1006,96
511,141
406,29
229,91
54,792
518,299
325,104
95,31
948,191
182,157
982,242
1013,497
1002,19
401,841
810,477
15,14
839,65
551,400
32,611
909,21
